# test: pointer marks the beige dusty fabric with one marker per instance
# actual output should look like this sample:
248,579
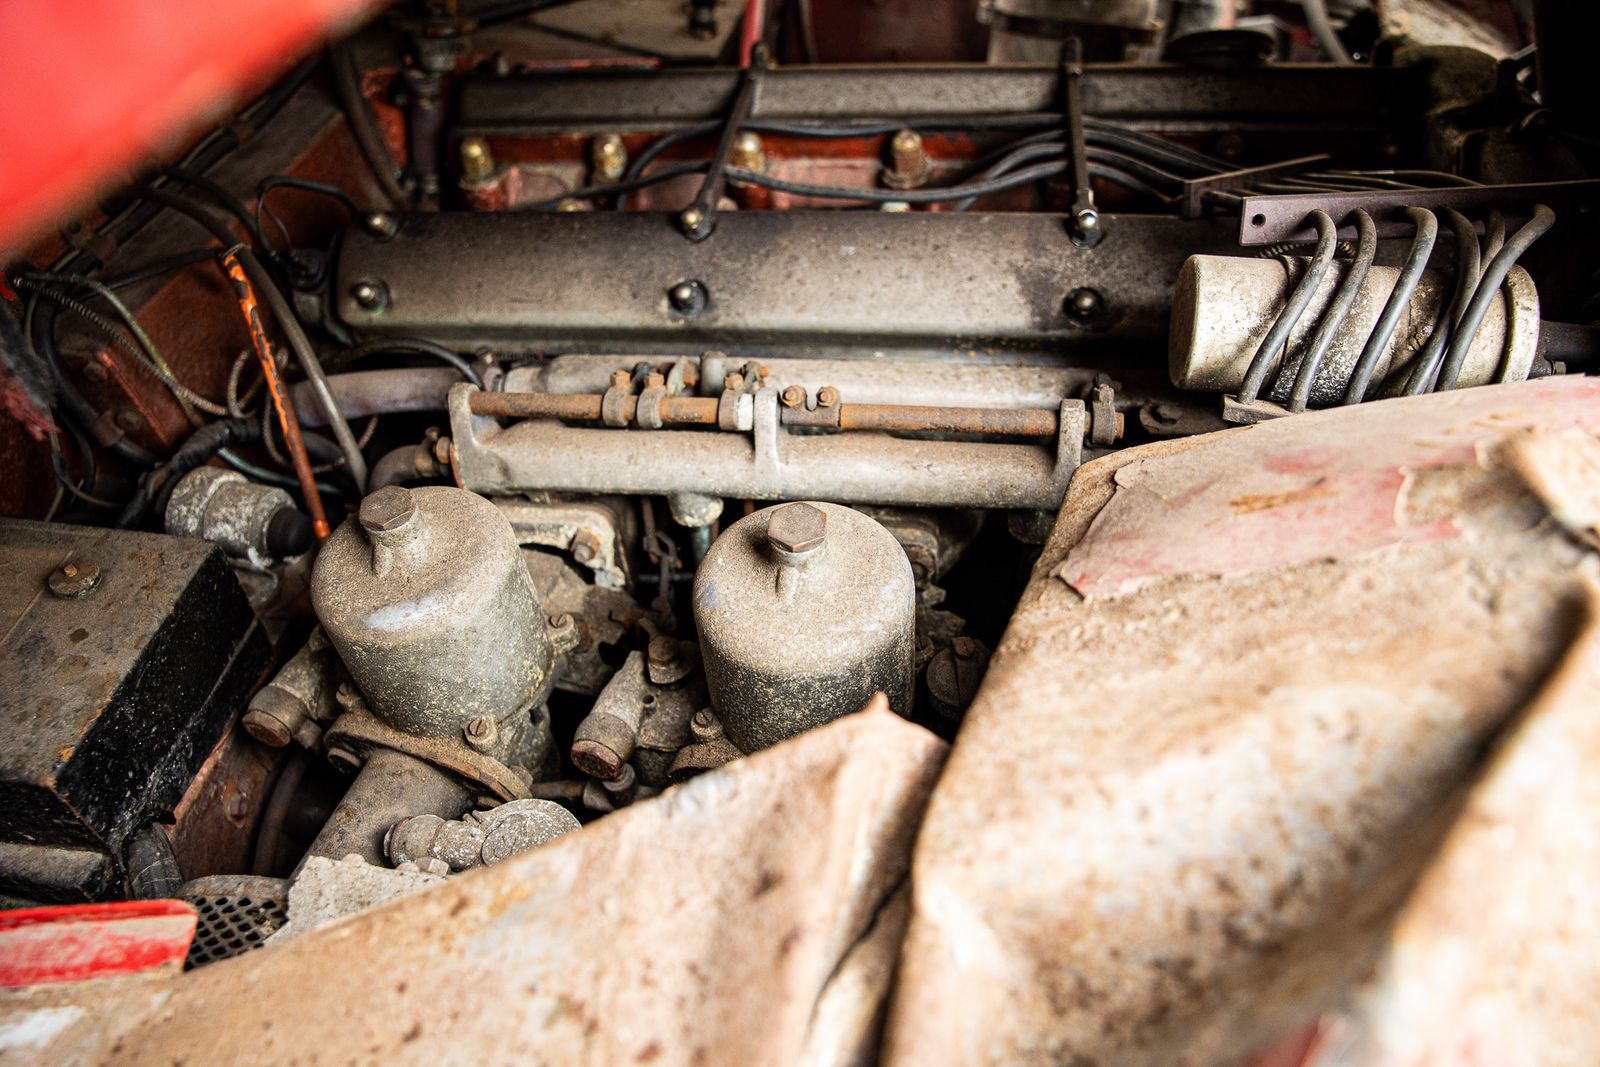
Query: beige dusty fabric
1182,812
1496,957
743,918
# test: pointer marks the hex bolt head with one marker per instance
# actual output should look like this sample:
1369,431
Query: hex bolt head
370,296
827,396
793,396
388,509
797,528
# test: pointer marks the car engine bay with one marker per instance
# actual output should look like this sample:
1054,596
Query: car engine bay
515,411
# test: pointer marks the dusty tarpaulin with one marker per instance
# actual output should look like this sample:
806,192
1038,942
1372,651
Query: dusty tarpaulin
1496,957
749,916
1183,811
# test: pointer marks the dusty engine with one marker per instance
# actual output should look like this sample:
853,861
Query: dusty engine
702,397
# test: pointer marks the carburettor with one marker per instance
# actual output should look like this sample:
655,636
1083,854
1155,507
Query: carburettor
804,612
430,607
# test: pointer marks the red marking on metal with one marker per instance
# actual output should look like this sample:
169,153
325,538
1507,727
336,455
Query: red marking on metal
73,943
1332,488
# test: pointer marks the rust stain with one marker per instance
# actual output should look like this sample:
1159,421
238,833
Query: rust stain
1252,502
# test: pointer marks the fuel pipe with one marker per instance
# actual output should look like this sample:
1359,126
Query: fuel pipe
703,411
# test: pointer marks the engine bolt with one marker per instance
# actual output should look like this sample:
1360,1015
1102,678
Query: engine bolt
476,162
688,297
793,396
748,153
381,224
797,529
371,296
908,166
387,509
585,546
663,650
827,396
610,157
1084,304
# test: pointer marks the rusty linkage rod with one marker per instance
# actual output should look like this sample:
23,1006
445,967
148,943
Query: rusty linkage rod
702,411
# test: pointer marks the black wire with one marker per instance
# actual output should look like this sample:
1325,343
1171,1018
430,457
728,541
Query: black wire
622,188
224,199
1024,176
42,312
364,127
199,159
1494,276
1426,371
406,345
1338,310
1106,134
305,185
1327,242
1405,285
160,267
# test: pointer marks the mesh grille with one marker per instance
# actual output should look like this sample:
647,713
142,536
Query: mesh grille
236,914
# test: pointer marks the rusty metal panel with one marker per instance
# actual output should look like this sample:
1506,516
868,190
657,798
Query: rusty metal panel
1198,784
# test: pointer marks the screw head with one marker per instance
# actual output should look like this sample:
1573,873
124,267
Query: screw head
74,579
797,528
793,396
481,731
1084,304
370,295
388,509
827,396
688,297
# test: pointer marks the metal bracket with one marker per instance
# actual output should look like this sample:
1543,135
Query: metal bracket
1243,413
1266,220
1195,190
700,217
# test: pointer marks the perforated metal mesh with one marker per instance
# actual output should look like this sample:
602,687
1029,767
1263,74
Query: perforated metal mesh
236,914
